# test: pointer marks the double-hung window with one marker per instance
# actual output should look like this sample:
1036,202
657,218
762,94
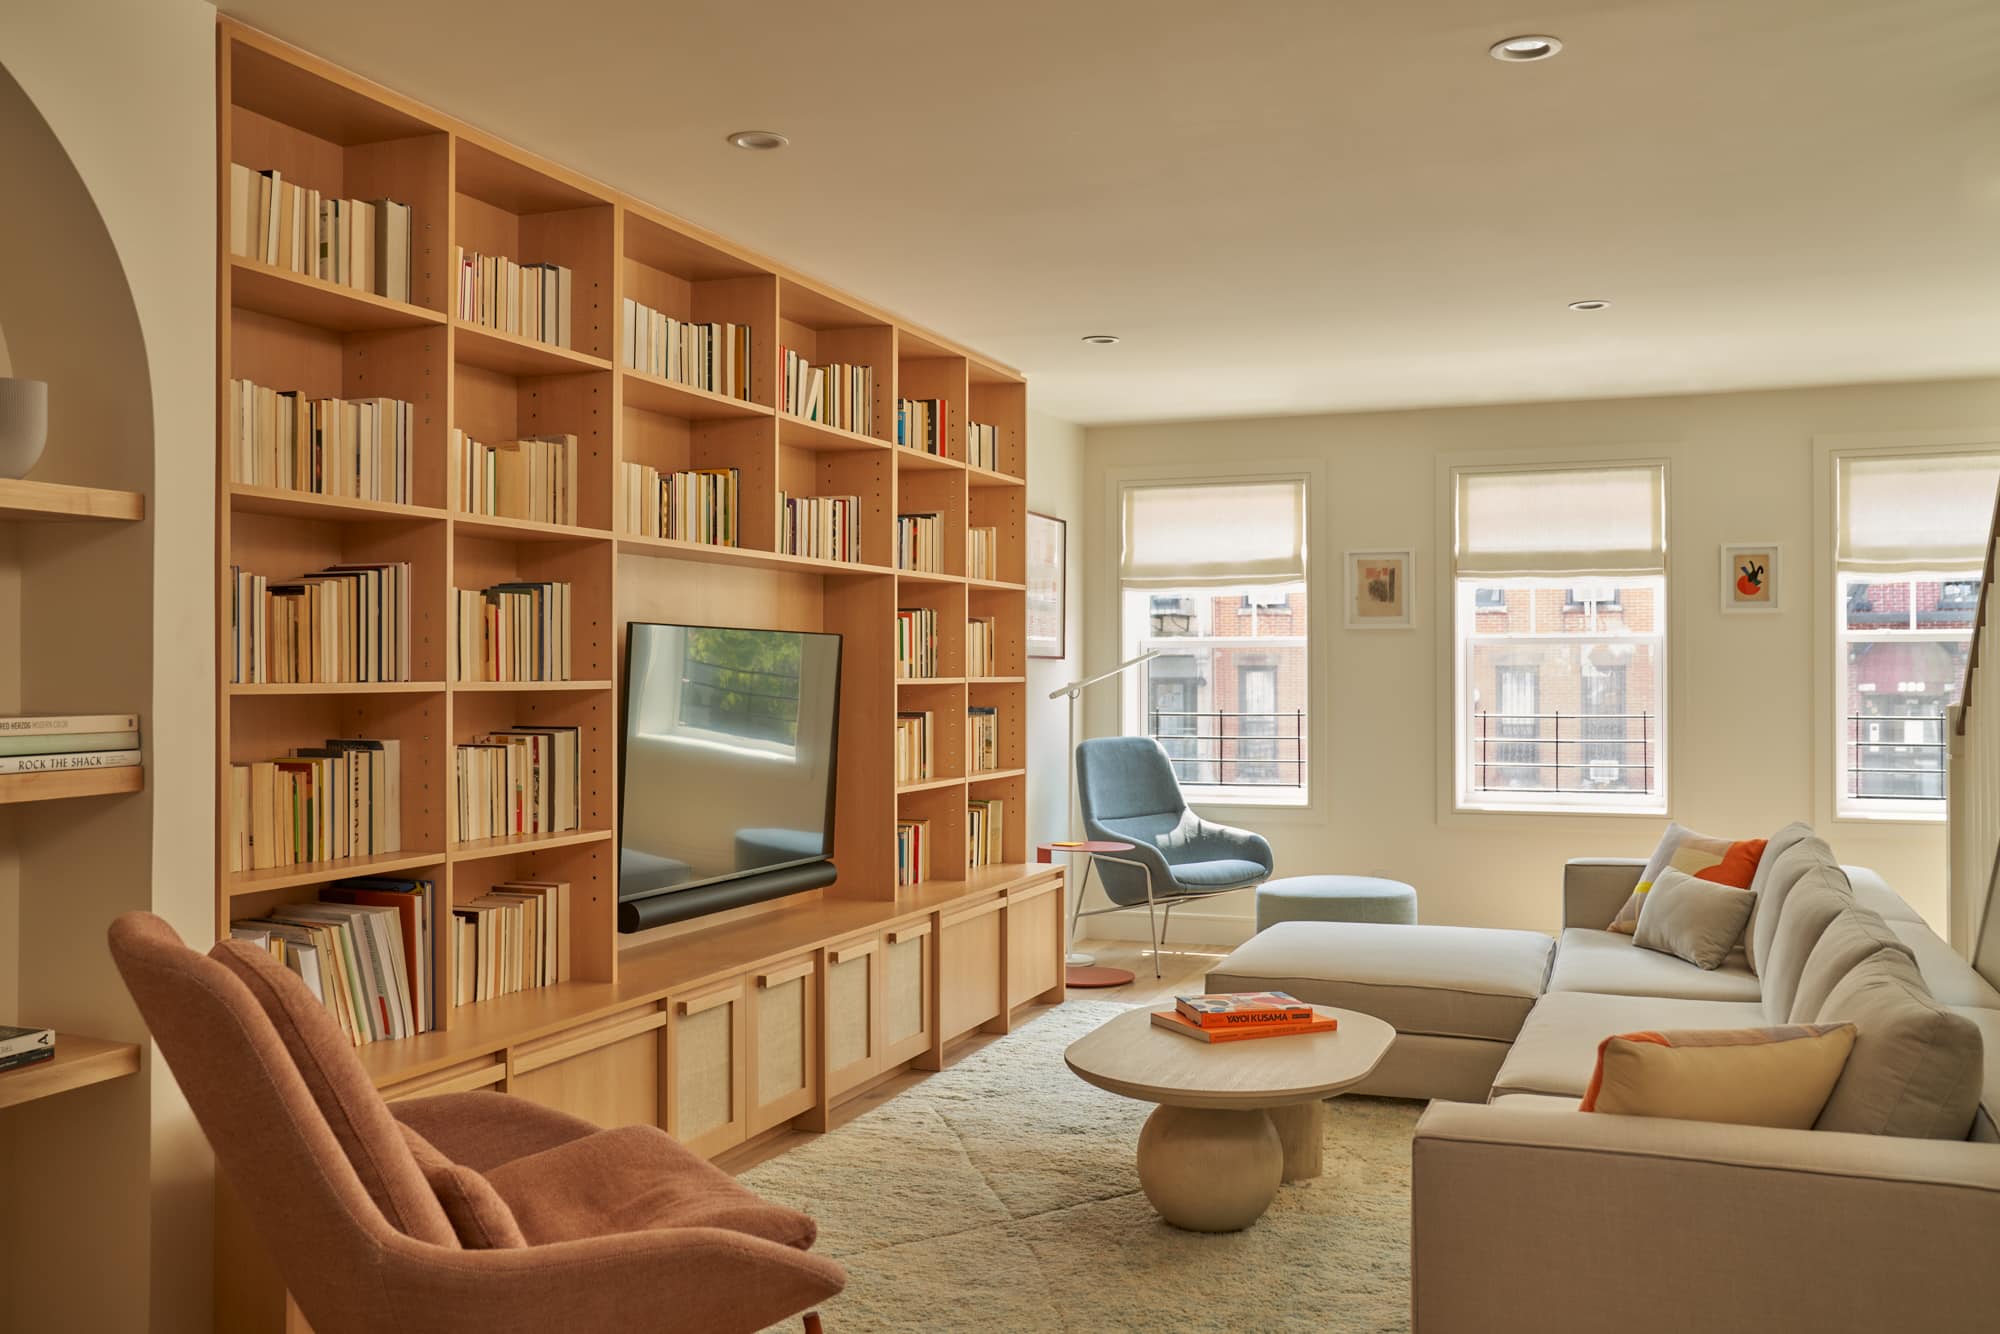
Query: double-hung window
1213,578
1909,547
1559,634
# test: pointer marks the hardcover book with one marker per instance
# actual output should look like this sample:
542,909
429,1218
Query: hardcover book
1176,1022
1243,1009
18,1046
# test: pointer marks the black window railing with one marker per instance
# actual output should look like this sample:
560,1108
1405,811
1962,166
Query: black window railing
1896,756
1565,752
1219,748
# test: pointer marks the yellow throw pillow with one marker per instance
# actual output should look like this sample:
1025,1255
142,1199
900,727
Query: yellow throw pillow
1743,1076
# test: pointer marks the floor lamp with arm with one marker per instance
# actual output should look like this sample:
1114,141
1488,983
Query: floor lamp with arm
1072,692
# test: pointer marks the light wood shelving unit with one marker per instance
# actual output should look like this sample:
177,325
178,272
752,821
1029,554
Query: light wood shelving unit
78,1061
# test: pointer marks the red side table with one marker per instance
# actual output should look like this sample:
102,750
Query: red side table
1091,975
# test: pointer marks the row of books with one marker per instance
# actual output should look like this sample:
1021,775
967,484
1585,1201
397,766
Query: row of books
531,478
364,949
363,244
920,424
1234,1016
512,938
823,527
838,395
913,747
982,446
981,633
25,1046
701,505
519,780
511,632
715,357
343,799
982,553
56,743
916,642
530,300
920,542
913,852
983,845
343,623
982,738
357,448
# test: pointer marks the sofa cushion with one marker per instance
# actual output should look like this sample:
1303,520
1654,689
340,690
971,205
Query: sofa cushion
1764,917
1692,919
1820,896
1948,977
1872,892
1778,1076
1447,981
1557,1047
1608,963
1853,935
1917,1068
1986,1126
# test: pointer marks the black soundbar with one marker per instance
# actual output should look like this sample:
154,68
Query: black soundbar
677,905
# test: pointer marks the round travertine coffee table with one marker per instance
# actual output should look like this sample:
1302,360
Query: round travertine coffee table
1235,1119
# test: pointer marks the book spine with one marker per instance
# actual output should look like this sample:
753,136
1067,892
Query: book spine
1272,1031
40,1040
75,722
1250,1018
27,1058
46,764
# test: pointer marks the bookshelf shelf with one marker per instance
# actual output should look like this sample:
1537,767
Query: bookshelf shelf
929,785
928,577
995,775
524,530
997,585
60,786
713,554
977,477
307,505
235,884
911,682
512,354
79,1061
509,687
254,689
908,457
670,398
808,434
996,680
53,502
479,848
305,299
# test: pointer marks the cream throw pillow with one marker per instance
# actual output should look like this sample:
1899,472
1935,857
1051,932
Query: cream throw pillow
1695,919
1701,855
1741,1076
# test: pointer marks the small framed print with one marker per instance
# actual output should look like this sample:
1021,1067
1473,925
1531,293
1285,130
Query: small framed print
1047,562
1381,590
1752,576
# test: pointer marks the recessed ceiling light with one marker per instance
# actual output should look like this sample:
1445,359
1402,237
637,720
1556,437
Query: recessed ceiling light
758,141
1588,305
1100,340
1530,47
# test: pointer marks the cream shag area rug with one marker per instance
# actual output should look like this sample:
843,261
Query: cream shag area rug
1001,1194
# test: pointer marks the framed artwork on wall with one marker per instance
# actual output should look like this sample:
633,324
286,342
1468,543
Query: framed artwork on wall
1752,574
1381,590
1048,541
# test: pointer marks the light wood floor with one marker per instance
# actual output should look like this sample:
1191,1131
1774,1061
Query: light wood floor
1182,968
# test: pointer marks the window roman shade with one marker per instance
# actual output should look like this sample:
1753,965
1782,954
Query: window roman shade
1209,535
1549,521
1914,511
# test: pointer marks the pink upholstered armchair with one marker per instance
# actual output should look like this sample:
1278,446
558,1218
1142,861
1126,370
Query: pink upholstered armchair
474,1212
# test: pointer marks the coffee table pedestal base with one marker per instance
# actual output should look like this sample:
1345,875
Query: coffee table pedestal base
1218,1171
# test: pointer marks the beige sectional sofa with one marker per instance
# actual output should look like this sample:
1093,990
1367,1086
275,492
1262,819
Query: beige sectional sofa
1530,1215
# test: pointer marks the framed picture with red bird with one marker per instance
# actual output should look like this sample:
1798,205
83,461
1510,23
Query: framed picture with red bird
1752,576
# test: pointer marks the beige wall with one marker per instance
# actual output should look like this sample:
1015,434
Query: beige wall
1749,749
1055,488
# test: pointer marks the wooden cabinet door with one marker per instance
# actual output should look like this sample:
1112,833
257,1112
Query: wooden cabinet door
606,1071
782,1030
707,1097
853,1033
968,965
906,992
1034,942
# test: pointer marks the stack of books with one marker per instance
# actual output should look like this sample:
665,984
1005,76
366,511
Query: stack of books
25,1046
520,780
54,743
982,738
913,748
982,552
364,949
363,244
343,623
913,851
356,448
1235,1016
530,300
513,937
982,446
920,542
696,506
920,424
532,478
715,357
511,632
979,637
343,799
916,642
838,395
823,527
982,832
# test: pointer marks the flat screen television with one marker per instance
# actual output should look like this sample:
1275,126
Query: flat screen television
726,784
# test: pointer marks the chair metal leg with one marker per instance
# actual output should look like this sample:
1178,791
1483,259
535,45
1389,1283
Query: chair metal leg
1076,905
1152,922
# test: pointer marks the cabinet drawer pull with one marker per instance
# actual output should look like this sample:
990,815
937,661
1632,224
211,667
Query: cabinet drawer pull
904,934
777,977
708,1000
564,1048
1029,893
860,949
968,914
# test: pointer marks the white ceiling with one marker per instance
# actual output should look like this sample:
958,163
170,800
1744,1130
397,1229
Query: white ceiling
1283,206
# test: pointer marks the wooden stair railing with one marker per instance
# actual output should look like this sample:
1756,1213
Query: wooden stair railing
1973,788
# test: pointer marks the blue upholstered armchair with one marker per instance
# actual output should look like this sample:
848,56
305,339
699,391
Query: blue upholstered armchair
1127,791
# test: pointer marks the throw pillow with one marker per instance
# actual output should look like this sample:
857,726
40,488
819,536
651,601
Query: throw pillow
1693,919
1702,855
478,1215
1742,1076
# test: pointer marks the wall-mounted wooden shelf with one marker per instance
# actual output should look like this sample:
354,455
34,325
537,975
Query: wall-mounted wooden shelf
68,783
52,502
304,299
673,399
79,1061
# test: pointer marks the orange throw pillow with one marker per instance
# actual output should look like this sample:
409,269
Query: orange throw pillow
1738,867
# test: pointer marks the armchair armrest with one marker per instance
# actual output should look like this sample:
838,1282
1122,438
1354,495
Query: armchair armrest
1199,840
1540,1219
1595,888
482,1130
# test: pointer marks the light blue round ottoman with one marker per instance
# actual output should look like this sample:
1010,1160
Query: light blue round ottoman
1335,898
